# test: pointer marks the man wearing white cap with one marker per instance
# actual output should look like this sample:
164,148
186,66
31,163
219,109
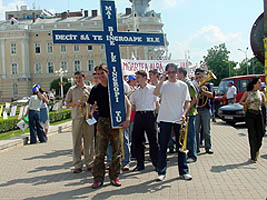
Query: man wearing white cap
231,93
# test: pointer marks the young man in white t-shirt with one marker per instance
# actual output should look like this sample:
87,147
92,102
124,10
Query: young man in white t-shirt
175,103
231,92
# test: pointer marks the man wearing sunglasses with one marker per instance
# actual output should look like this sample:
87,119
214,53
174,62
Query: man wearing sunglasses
175,103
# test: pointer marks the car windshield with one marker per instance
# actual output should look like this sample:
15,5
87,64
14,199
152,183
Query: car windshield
223,87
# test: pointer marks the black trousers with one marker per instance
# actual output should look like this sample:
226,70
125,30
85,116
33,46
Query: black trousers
145,121
256,131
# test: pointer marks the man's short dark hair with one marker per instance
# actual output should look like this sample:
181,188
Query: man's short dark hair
198,70
182,70
79,73
154,71
171,65
141,73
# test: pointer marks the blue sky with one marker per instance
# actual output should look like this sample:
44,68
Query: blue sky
192,26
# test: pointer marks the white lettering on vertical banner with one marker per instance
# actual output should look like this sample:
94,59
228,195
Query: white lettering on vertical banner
118,116
116,88
113,57
108,13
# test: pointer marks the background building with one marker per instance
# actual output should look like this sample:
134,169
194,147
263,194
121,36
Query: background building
28,55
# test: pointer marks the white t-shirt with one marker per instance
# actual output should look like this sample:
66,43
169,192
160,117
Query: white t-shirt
231,92
173,97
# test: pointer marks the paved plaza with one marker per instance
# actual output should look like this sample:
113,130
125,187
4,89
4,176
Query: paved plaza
42,172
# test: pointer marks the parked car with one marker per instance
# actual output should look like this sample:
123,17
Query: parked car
232,113
240,83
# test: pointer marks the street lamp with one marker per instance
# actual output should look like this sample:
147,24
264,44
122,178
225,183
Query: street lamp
60,73
245,52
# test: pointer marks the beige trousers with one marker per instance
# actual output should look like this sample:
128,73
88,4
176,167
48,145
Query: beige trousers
81,130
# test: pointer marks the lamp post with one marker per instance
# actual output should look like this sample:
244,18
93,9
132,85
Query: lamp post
60,73
246,60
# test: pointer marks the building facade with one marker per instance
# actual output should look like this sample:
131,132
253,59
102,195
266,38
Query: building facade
28,55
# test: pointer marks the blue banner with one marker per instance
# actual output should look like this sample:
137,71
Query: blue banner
112,39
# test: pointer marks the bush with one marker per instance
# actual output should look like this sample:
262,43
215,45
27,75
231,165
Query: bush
11,123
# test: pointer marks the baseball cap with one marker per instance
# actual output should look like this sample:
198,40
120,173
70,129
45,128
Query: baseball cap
263,85
130,77
231,82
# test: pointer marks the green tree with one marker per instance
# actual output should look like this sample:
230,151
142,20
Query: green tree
55,84
218,62
254,67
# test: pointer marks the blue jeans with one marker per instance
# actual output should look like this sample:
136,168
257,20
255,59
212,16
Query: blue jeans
164,137
191,138
35,126
126,146
203,121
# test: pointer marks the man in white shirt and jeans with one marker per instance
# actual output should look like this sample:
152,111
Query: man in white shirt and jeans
175,103
231,93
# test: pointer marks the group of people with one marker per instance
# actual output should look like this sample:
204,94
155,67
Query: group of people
158,106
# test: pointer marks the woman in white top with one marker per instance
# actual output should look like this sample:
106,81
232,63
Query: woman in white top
34,116
253,100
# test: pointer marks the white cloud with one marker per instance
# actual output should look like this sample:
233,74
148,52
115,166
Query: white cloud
10,6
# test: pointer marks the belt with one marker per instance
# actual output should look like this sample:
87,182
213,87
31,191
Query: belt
145,111
255,112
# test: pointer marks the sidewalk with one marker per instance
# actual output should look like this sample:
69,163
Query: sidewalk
42,172
24,139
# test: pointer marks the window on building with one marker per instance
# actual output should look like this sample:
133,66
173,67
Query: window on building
13,48
37,48
90,65
77,65
14,68
38,68
63,48
90,47
76,48
15,89
49,47
64,65
50,67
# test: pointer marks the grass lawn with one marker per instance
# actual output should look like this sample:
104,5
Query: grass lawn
10,134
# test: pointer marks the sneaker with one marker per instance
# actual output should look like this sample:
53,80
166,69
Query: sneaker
161,177
187,177
115,182
125,168
190,160
77,170
97,184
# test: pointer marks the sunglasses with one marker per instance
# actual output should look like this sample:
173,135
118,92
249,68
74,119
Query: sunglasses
171,72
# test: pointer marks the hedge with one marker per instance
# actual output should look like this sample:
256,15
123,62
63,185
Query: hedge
11,123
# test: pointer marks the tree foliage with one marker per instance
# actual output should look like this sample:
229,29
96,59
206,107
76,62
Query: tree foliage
219,63
55,84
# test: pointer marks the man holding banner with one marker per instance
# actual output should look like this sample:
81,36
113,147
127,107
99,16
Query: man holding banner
105,132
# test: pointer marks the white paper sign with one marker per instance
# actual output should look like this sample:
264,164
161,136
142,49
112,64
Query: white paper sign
5,115
22,125
20,112
13,111
56,106
91,121
25,110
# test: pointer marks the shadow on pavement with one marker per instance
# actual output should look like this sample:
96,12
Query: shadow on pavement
53,154
41,180
222,168
150,186
66,165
